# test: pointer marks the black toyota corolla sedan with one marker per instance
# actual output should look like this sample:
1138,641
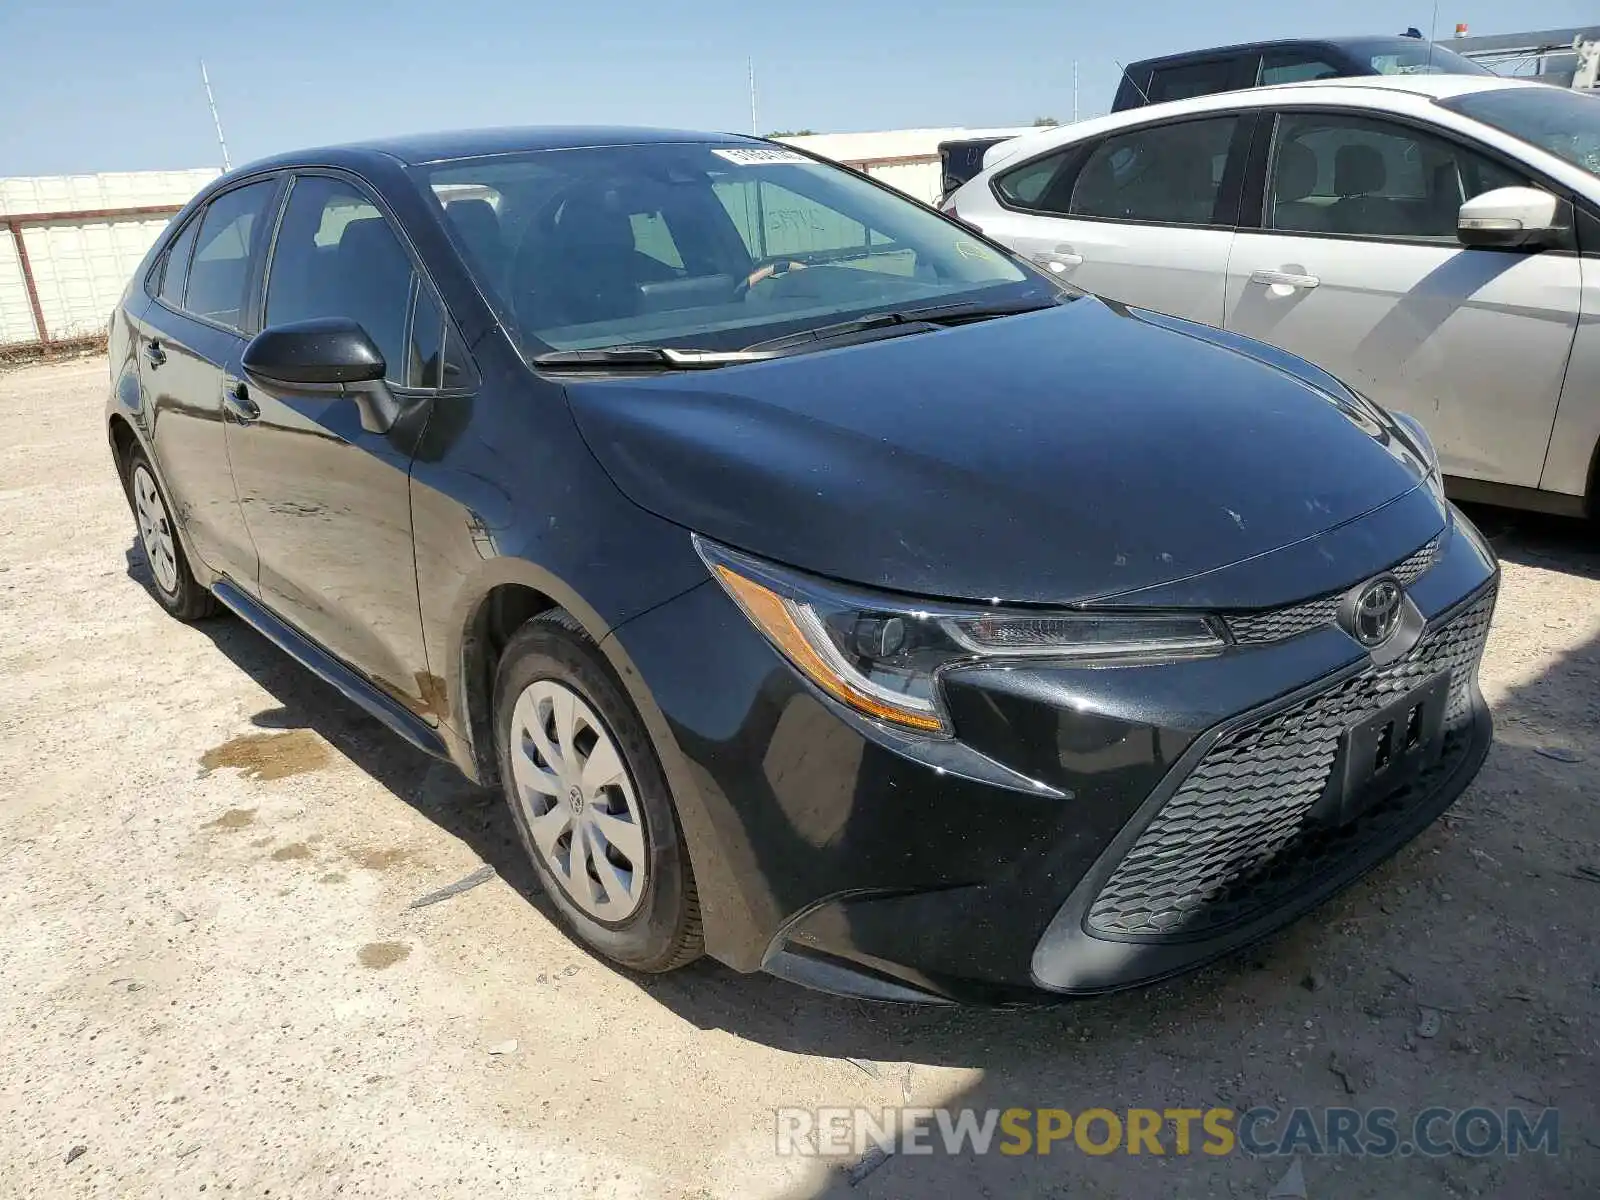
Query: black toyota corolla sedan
827,589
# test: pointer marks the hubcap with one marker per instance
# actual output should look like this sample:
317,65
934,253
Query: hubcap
155,530
577,800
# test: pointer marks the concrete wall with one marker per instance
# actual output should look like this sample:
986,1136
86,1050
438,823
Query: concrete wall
80,265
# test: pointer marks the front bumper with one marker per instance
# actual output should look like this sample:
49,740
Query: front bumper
1089,829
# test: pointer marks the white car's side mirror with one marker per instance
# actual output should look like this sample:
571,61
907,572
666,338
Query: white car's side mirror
1511,217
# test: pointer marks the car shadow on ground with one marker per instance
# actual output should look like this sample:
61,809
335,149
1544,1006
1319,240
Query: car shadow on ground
1235,1034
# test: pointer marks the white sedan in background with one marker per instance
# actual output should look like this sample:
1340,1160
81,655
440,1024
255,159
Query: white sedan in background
1434,241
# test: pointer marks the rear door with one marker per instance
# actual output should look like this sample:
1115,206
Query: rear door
327,503
1354,264
1144,216
189,339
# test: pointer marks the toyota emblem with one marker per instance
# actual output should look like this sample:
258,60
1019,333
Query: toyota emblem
1375,614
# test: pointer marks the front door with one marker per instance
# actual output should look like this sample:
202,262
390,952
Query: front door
1146,218
327,503
1357,268
189,338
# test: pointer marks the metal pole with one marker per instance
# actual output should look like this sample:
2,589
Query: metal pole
1074,91
227,163
755,128
28,284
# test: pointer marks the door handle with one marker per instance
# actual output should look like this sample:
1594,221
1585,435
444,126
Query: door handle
1284,279
1059,261
154,353
236,402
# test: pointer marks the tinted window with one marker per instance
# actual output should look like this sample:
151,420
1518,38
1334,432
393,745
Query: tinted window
426,352
1191,79
177,265
1293,66
336,256
220,270
1026,186
1169,174
1366,178
695,244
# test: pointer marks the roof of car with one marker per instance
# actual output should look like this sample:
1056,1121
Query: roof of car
1275,44
413,149
1425,87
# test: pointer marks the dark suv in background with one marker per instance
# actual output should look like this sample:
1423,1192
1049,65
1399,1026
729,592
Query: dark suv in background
1257,64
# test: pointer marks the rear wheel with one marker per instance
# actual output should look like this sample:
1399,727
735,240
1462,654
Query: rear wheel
174,584
590,800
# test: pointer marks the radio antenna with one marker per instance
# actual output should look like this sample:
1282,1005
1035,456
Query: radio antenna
227,163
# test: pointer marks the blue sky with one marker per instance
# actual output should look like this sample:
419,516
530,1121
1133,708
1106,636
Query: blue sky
98,85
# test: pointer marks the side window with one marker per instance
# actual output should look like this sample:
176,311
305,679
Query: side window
1164,174
1294,66
1191,79
220,270
176,270
651,237
435,356
774,221
425,354
1359,177
1027,185
336,256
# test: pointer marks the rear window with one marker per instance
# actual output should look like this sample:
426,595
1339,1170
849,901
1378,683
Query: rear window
1191,79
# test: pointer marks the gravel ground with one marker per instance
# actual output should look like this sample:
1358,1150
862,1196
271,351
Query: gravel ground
210,979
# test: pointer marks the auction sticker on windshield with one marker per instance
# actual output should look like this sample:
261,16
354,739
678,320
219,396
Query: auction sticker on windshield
760,156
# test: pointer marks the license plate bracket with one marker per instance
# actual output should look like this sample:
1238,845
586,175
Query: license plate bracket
1384,752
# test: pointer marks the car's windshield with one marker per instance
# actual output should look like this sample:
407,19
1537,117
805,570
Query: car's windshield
1409,56
708,245
1564,122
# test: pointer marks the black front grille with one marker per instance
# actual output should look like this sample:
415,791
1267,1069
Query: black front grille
1257,628
1234,840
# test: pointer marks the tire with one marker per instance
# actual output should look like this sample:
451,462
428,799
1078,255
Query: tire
174,585
590,800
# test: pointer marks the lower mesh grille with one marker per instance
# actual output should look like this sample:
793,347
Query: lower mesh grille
1233,841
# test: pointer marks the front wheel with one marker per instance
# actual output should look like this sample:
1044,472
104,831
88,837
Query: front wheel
590,800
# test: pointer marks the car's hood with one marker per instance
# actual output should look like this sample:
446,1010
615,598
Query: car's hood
1057,457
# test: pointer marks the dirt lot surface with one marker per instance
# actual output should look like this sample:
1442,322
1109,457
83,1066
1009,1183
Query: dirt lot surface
210,979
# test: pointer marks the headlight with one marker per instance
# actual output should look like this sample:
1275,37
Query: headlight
882,655
1418,441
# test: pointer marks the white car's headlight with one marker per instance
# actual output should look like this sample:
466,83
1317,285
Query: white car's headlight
882,655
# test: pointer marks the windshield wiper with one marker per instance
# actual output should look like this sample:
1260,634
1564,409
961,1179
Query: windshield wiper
660,358
884,324
905,320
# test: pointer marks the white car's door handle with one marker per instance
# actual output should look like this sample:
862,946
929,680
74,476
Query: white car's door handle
1284,279
1058,261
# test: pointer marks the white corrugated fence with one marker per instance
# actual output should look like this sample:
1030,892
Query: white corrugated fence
83,236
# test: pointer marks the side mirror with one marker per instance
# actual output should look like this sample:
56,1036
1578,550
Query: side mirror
322,351
1511,218
327,353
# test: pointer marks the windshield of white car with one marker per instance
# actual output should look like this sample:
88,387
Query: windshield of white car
712,246
1410,56
1564,122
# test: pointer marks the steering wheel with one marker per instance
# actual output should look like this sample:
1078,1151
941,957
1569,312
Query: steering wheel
762,274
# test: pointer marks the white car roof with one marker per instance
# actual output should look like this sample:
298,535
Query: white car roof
1402,92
